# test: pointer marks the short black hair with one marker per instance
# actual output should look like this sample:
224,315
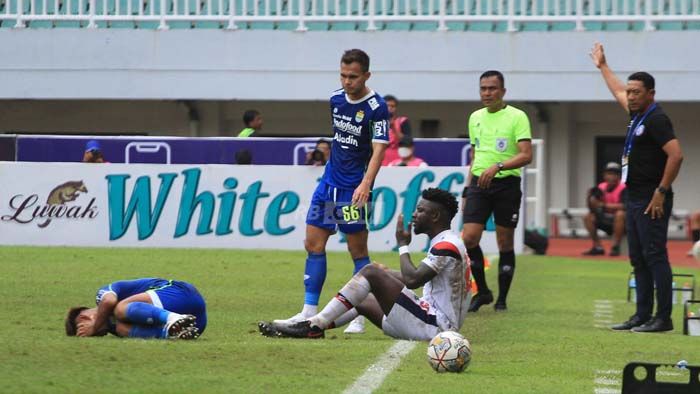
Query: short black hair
445,199
390,97
406,141
249,115
323,141
71,325
646,79
356,55
494,73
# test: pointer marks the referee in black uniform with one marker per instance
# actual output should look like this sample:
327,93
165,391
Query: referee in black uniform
650,163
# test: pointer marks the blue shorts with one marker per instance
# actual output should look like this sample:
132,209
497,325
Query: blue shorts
181,297
331,209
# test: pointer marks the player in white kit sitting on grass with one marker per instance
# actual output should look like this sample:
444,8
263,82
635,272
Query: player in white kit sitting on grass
384,296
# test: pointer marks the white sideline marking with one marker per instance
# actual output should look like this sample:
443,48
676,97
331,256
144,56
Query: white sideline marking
602,313
375,374
607,381
609,378
603,390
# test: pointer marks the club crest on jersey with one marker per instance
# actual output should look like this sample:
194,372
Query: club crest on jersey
335,110
359,116
501,144
639,130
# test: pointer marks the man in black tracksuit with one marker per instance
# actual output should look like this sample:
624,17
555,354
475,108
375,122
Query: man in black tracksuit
650,163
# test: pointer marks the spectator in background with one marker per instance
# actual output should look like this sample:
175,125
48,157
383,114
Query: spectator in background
694,229
244,156
399,128
253,122
607,211
321,153
93,153
406,156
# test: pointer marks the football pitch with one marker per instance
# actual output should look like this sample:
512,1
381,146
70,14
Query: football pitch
547,342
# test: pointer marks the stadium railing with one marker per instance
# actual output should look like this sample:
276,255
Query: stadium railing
303,15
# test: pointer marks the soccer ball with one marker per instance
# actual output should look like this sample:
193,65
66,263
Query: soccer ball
449,351
696,251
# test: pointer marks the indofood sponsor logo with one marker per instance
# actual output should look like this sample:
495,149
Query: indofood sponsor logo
347,127
59,205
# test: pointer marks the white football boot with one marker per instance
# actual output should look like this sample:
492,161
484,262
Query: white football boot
356,326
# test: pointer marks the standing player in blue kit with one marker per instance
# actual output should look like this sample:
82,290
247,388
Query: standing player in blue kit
340,201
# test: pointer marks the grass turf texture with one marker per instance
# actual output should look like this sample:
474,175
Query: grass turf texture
545,343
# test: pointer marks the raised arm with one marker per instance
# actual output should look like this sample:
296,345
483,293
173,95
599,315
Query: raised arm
411,276
616,86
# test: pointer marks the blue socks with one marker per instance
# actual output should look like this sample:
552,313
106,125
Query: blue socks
142,313
314,277
138,331
359,263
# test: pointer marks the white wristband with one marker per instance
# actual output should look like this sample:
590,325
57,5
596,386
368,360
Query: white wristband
403,249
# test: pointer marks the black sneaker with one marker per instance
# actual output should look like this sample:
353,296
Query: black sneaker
268,330
500,306
302,329
615,250
480,299
633,322
594,251
655,325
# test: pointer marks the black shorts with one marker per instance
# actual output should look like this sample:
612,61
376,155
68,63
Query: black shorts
502,199
604,221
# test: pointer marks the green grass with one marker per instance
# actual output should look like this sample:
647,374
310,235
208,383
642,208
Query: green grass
545,343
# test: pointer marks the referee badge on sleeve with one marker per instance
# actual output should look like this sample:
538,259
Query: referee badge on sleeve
501,144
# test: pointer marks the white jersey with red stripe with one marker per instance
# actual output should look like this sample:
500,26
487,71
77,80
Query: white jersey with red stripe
448,293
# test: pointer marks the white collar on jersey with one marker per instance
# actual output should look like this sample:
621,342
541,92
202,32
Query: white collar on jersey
368,95
439,237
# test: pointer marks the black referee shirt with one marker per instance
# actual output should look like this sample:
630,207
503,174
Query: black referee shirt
647,159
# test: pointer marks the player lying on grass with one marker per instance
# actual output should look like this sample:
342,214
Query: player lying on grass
142,308
383,296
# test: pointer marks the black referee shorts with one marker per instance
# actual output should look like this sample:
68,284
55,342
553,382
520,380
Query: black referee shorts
502,199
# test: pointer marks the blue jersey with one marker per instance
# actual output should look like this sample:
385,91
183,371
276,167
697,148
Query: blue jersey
126,288
356,125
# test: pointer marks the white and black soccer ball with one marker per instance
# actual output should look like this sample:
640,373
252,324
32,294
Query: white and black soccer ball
696,251
449,351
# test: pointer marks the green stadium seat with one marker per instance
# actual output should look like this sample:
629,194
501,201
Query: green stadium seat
182,7
456,26
616,26
71,7
425,26
103,7
480,26
10,23
263,10
534,26
213,7
123,10
153,6
563,26
47,7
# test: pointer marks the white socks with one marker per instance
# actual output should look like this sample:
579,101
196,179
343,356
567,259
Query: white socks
353,293
309,310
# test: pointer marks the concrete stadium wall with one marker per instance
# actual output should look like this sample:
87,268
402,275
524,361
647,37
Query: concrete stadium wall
289,66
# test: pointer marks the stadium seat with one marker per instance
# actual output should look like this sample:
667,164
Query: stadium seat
72,7
124,10
10,23
43,7
153,7
183,7
213,7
